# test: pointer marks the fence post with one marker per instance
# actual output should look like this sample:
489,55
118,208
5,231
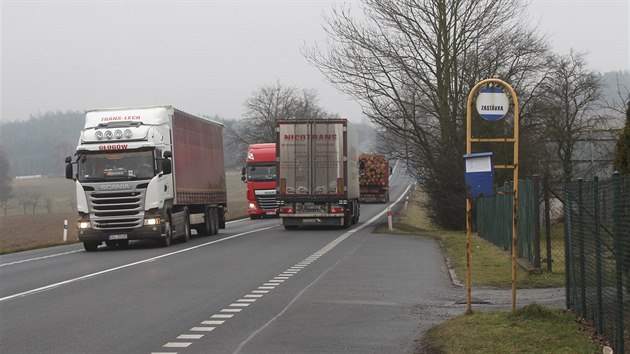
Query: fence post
568,251
536,219
598,256
619,345
580,217
548,222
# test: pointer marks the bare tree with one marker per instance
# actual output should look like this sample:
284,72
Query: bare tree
570,109
412,63
28,199
48,204
273,102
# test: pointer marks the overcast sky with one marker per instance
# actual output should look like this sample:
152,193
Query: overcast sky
207,57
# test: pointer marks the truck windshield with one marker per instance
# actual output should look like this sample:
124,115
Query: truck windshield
256,172
109,166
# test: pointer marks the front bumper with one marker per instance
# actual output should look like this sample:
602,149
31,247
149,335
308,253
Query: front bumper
153,232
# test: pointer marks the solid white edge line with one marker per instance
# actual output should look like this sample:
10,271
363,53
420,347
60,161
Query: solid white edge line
39,258
92,275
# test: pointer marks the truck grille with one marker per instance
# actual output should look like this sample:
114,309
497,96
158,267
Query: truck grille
117,210
267,202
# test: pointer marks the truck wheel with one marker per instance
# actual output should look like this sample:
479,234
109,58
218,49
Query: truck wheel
347,219
206,228
186,237
357,213
90,246
215,221
166,241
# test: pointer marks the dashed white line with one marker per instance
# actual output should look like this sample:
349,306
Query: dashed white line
190,336
221,316
239,304
260,291
212,322
246,300
177,345
253,295
202,329
231,310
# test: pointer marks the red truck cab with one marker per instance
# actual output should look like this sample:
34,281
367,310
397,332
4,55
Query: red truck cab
260,176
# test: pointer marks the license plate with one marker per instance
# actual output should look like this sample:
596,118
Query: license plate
310,221
271,213
118,237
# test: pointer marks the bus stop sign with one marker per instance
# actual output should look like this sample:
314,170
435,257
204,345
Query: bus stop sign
492,103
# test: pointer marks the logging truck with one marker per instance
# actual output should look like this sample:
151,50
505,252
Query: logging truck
374,178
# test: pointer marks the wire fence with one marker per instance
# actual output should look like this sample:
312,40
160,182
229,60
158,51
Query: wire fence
597,252
591,245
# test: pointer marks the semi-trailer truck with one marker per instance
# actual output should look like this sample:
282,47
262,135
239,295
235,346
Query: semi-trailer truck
374,178
147,173
260,175
318,172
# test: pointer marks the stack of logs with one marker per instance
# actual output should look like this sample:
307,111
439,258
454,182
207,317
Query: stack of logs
375,170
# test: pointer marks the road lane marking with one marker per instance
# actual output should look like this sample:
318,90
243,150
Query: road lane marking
221,316
190,336
212,322
177,345
92,275
39,258
202,329
231,310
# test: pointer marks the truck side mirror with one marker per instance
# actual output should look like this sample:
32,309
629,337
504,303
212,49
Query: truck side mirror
69,168
167,166
243,178
243,171
69,171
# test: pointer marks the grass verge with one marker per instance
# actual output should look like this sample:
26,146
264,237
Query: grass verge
531,329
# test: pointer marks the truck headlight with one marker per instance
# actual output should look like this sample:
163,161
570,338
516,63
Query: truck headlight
84,225
152,221
252,206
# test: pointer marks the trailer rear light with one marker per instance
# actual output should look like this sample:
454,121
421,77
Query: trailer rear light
337,210
152,221
286,210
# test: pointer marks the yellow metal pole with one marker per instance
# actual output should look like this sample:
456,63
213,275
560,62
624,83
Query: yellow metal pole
515,141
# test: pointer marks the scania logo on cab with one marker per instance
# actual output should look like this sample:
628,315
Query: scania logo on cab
115,187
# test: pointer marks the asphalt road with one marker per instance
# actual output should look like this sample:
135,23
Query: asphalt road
254,288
